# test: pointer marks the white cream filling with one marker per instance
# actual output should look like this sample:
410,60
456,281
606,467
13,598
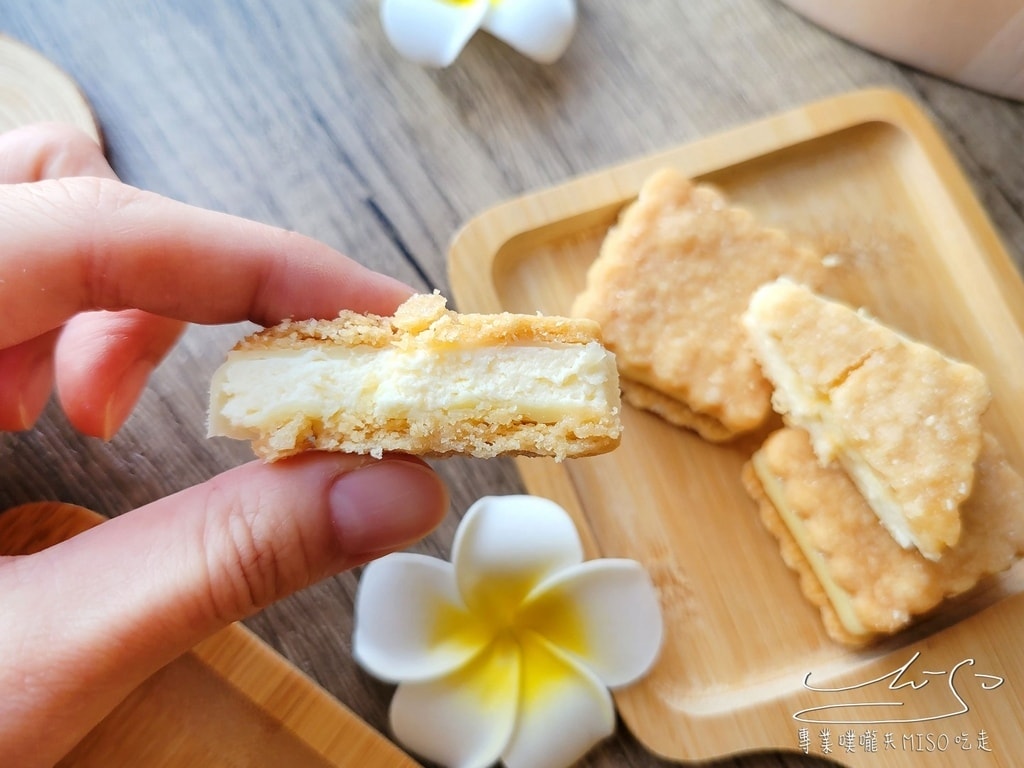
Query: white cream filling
810,409
542,383
839,598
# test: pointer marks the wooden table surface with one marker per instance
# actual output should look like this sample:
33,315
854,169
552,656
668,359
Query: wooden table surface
302,116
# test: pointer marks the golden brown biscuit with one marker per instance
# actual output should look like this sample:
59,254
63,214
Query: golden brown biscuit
849,566
902,419
672,278
428,381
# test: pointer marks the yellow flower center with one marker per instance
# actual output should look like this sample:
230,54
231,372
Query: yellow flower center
515,634
555,617
492,676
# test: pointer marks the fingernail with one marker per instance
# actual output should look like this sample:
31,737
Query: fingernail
386,505
34,391
123,398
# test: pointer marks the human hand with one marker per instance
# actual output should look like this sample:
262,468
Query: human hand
96,282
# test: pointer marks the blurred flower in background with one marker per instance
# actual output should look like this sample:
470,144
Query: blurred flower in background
434,32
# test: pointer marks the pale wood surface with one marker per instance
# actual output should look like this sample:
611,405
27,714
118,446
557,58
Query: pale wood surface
861,177
298,114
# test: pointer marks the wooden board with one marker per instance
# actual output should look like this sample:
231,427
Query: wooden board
866,178
231,701
33,89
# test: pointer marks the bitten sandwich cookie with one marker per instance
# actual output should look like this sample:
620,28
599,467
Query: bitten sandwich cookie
863,582
901,418
668,287
427,381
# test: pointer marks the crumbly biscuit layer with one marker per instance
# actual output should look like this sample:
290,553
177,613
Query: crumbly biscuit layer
901,418
672,278
427,381
865,584
675,411
424,321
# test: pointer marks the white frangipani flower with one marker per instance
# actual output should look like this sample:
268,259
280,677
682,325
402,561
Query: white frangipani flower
507,652
434,32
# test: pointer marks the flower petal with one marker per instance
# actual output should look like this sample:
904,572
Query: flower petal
410,623
540,29
505,546
564,711
604,613
466,718
431,32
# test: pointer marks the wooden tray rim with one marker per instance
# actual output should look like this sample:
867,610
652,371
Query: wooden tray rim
476,247
616,185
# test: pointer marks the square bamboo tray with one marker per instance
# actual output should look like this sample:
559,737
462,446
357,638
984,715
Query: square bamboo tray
867,178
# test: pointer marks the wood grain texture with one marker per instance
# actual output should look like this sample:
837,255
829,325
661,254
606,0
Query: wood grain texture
300,115
864,178
36,90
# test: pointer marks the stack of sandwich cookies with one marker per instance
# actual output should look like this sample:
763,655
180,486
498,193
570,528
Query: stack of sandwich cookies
668,287
884,492
427,381
864,583
902,419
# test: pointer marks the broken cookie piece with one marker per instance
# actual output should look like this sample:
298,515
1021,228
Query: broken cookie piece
902,419
668,287
428,381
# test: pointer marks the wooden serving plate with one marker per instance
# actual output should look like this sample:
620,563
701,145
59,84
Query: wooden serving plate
864,177
231,701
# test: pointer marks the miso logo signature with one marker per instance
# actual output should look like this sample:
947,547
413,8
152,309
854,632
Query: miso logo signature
907,694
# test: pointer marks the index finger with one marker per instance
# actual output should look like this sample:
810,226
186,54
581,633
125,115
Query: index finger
78,244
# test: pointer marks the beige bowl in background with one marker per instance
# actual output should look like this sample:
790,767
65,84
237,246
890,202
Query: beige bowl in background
979,43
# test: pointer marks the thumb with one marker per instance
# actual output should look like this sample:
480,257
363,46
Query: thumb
125,598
